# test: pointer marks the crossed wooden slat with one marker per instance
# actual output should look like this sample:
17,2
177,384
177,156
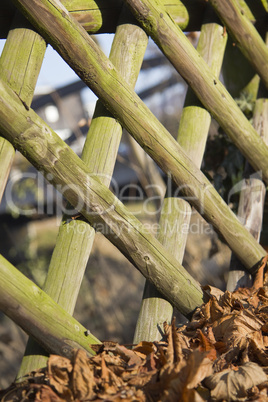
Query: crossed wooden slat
27,132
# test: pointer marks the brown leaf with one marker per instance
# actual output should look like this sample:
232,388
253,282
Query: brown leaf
143,379
46,394
258,281
59,369
83,382
234,328
130,356
207,346
145,348
258,352
231,385
177,345
109,381
170,351
176,379
211,291
187,395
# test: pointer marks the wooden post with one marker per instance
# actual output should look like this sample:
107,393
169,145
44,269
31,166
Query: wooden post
39,316
251,201
65,170
207,87
85,57
176,212
102,16
245,34
20,63
75,238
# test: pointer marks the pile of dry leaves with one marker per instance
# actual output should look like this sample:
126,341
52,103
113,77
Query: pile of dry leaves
220,355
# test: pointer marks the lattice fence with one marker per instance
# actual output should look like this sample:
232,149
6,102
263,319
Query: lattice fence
46,315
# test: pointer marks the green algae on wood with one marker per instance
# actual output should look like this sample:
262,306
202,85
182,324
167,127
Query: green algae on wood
20,63
97,71
245,35
75,238
176,212
39,316
61,166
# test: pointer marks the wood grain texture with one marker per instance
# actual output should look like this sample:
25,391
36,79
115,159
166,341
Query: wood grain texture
156,309
206,85
245,35
85,57
251,201
65,170
20,63
76,237
101,16
192,136
39,316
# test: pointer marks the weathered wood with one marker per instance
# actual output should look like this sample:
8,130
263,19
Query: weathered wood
245,34
192,136
75,238
7,153
85,57
39,316
101,16
65,170
155,309
251,201
20,63
82,53
206,86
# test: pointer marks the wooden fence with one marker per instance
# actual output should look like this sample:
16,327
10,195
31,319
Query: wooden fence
46,315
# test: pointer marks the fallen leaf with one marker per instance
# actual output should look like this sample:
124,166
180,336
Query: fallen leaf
234,328
232,385
59,370
211,291
83,382
207,346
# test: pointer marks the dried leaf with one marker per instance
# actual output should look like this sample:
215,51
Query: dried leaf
59,369
232,385
258,281
207,346
131,357
83,382
234,328
46,394
145,348
211,291
170,351
178,379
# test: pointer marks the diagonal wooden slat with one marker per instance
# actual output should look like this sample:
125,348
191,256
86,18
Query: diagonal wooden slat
75,238
40,316
20,63
176,212
245,34
85,57
67,172
101,16
208,88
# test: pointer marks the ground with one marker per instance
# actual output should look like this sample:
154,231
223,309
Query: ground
220,355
